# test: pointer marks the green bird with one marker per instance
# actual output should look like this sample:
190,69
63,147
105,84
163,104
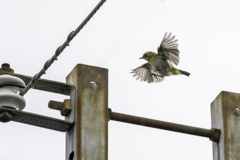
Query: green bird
161,64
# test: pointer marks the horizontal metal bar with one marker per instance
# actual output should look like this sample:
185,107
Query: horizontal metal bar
45,85
36,120
210,133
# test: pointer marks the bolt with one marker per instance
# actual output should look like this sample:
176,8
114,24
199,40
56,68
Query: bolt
63,107
6,68
55,105
66,107
6,65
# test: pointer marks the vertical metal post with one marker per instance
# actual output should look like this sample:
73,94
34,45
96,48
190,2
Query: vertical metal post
225,113
88,138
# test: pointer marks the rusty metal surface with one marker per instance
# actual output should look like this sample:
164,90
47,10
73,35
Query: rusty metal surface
55,105
71,133
224,117
6,68
46,85
66,107
36,120
215,135
88,138
163,125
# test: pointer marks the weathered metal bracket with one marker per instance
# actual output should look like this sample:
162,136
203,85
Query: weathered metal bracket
87,139
7,115
46,85
34,119
225,116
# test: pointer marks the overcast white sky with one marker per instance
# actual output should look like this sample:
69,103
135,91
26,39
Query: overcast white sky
115,38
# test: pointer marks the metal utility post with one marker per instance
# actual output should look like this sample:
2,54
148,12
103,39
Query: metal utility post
225,113
88,137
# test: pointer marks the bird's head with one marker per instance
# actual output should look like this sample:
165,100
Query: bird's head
148,56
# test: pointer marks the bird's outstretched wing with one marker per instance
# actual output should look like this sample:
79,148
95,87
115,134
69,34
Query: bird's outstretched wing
169,48
145,73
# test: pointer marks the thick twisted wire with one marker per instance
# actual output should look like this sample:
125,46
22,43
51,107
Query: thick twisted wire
59,50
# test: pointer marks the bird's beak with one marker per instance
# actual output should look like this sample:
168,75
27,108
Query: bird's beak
141,58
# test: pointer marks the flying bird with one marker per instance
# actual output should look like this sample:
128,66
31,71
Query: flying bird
160,64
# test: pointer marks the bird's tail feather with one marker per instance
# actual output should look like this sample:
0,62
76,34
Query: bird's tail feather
184,73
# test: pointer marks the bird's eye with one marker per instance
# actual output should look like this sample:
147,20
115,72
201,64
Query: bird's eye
147,55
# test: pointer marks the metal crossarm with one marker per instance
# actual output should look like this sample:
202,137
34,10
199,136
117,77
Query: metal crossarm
46,85
213,134
36,120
